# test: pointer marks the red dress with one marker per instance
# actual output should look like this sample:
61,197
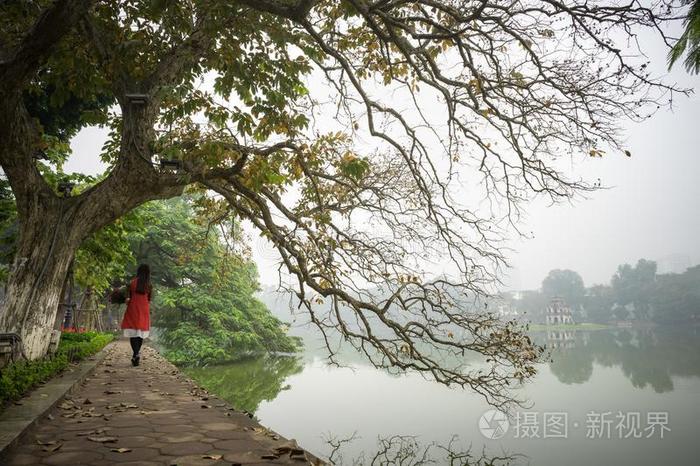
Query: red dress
137,318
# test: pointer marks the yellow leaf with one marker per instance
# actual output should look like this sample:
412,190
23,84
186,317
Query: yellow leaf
120,450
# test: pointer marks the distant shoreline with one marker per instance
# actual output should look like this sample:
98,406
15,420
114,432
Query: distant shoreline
582,326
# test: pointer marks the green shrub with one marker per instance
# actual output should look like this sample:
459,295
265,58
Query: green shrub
77,346
18,378
209,312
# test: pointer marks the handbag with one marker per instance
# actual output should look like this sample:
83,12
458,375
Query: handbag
118,295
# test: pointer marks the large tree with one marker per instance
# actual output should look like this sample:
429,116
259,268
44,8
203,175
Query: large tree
205,307
353,134
689,42
676,297
565,283
635,285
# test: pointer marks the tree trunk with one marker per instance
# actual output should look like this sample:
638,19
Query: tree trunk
45,250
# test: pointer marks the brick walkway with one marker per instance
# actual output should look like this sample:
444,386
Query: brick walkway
149,415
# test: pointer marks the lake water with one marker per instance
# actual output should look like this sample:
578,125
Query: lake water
639,387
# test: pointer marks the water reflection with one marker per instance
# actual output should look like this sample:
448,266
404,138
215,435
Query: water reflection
615,370
247,383
647,357
407,450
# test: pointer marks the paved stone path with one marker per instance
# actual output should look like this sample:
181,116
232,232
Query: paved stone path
149,415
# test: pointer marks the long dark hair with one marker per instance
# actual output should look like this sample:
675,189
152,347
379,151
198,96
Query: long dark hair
143,279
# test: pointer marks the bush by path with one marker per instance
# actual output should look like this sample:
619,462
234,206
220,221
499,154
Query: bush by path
18,378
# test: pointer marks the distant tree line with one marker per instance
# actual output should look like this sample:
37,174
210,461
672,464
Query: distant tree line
635,292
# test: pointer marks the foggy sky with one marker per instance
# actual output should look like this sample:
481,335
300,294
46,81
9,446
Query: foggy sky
652,209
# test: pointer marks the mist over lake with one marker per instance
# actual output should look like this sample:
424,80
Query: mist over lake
595,380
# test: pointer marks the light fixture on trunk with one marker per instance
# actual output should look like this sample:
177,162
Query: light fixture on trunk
170,164
137,99
66,188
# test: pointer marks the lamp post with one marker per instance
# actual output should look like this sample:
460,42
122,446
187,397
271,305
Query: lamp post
65,188
69,305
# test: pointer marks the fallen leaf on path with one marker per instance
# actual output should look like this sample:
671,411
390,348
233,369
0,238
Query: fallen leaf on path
99,431
288,447
212,457
298,455
53,447
103,439
50,442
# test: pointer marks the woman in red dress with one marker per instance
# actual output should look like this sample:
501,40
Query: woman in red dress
137,318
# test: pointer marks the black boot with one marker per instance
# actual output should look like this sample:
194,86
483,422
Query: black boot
136,349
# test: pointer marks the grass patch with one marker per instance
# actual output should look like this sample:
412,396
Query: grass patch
19,377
